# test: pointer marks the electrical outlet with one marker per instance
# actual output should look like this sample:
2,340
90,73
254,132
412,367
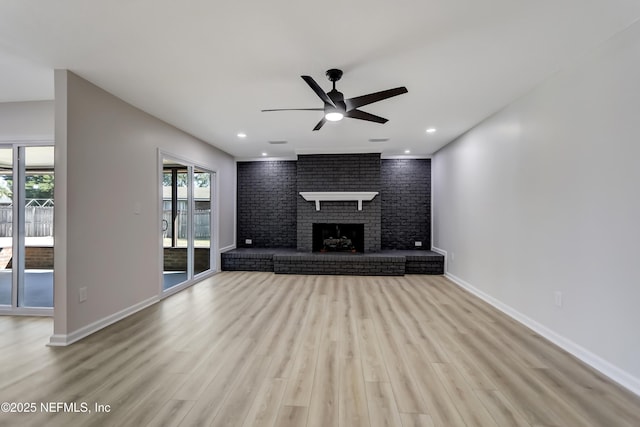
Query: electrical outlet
558,298
82,294
248,242
418,244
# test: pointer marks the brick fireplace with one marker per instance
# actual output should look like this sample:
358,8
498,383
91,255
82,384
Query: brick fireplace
380,206
338,173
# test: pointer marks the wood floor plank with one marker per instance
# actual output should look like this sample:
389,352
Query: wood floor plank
373,366
381,404
469,406
255,348
416,420
323,409
286,349
211,399
264,411
292,416
300,384
401,376
441,405
171,414
501,409
249,381
353,399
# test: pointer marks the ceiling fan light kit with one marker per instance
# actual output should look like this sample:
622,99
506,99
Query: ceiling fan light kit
334,116
336,107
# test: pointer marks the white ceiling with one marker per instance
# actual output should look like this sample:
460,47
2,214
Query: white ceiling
209,67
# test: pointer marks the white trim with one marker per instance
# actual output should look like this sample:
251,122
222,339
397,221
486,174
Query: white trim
338,196
60,340
344,150
214,238
404,156
27,311
227,248
30,140
267,159
158,216
616,374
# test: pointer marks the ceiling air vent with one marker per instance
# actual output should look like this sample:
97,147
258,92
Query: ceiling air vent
277,142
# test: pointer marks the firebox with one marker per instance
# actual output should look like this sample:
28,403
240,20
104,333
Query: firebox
338,237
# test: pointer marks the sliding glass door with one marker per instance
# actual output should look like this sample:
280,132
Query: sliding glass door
26,229
186,222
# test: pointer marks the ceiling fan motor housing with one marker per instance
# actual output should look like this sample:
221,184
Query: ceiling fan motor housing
334,74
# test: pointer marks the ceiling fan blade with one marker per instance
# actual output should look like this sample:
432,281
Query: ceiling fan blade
293,109
362,115
320,124
317,89
359,101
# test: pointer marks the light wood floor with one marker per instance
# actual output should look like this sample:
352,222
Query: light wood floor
258,349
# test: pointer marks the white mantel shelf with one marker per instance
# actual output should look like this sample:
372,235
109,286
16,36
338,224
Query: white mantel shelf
338,196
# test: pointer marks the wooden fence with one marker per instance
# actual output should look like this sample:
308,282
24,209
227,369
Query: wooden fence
38,221
201,223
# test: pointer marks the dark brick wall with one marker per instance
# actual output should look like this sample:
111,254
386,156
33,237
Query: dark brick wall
339,172
274,215
267,204
406,203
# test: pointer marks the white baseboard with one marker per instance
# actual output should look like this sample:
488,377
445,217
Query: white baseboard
61,340
616,374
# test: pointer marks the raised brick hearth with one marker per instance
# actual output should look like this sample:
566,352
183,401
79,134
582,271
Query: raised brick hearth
290,261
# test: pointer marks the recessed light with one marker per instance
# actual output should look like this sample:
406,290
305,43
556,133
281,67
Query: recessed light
264,154
431,130
407,151
242,135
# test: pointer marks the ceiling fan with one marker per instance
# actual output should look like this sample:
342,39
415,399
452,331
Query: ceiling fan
336,107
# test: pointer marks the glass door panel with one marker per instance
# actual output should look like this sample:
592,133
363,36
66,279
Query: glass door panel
175,223
6,225
202,220
36,287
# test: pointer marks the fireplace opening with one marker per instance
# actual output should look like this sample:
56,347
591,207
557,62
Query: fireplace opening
338,237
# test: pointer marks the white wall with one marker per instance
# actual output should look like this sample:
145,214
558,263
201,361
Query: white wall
106,165
545,196
26,121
